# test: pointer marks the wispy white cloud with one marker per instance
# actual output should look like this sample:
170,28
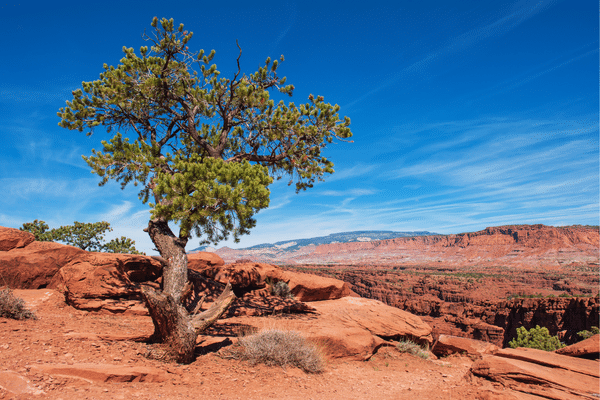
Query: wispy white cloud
352,172
500,26
348,192
545,68
31,188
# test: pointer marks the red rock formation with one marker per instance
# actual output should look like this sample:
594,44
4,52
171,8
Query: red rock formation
304,287
523,245
202,260
34,266
103,372
540,373
349,328
107,281
11,238
472,303
588,348
110,282
446,345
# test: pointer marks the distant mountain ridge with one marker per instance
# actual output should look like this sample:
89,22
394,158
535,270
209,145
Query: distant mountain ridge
341,237
502,245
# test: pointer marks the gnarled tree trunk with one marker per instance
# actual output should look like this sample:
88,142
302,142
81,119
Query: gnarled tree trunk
174,327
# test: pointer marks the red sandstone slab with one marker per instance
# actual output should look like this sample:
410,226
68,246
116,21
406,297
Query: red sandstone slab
103,372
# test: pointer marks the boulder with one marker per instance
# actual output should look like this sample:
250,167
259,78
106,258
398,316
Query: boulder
202,260
107,281
588,348
447,345
306,287
379,319
242,276
34,266
540,373
348,328
11,238
251,276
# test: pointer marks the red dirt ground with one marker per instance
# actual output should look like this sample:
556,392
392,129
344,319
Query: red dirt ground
65,336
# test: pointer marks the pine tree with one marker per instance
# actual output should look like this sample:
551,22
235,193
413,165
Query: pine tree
87,236
535,338
203,149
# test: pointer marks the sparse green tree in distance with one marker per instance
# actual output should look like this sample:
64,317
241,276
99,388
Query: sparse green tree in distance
203,150
39,229
536,338
86,236
121,245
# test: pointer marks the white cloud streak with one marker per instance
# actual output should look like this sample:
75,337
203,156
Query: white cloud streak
497,28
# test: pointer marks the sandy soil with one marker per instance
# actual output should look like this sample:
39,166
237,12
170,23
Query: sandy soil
65,336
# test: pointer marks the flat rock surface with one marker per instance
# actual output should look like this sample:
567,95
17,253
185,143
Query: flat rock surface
93,372
446,345
541,373
553,360
588,347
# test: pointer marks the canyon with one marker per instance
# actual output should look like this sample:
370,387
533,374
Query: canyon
92,329
481,285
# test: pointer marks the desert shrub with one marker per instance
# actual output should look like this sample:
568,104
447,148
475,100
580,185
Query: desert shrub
282,348
536,338
585,334
410,347
281,289
12,306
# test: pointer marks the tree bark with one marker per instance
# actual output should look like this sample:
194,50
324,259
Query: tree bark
172,249
175,330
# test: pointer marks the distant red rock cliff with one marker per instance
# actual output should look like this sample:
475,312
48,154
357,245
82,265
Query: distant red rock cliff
529,245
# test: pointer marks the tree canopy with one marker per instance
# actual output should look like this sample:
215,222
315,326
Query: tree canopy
205,148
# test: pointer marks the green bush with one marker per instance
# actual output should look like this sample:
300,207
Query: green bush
281,348
536,338
410,347
588,334
12,306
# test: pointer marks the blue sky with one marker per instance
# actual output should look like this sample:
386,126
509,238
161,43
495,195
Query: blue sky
465,114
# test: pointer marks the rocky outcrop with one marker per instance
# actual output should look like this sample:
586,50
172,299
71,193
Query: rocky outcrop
107,281
540,373
588,348
249,276
111,282
446,345
11,238
34,266
349,328
562,316
201,260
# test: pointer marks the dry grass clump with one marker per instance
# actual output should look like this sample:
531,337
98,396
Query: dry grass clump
282,348
12,306
282,290
407,346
